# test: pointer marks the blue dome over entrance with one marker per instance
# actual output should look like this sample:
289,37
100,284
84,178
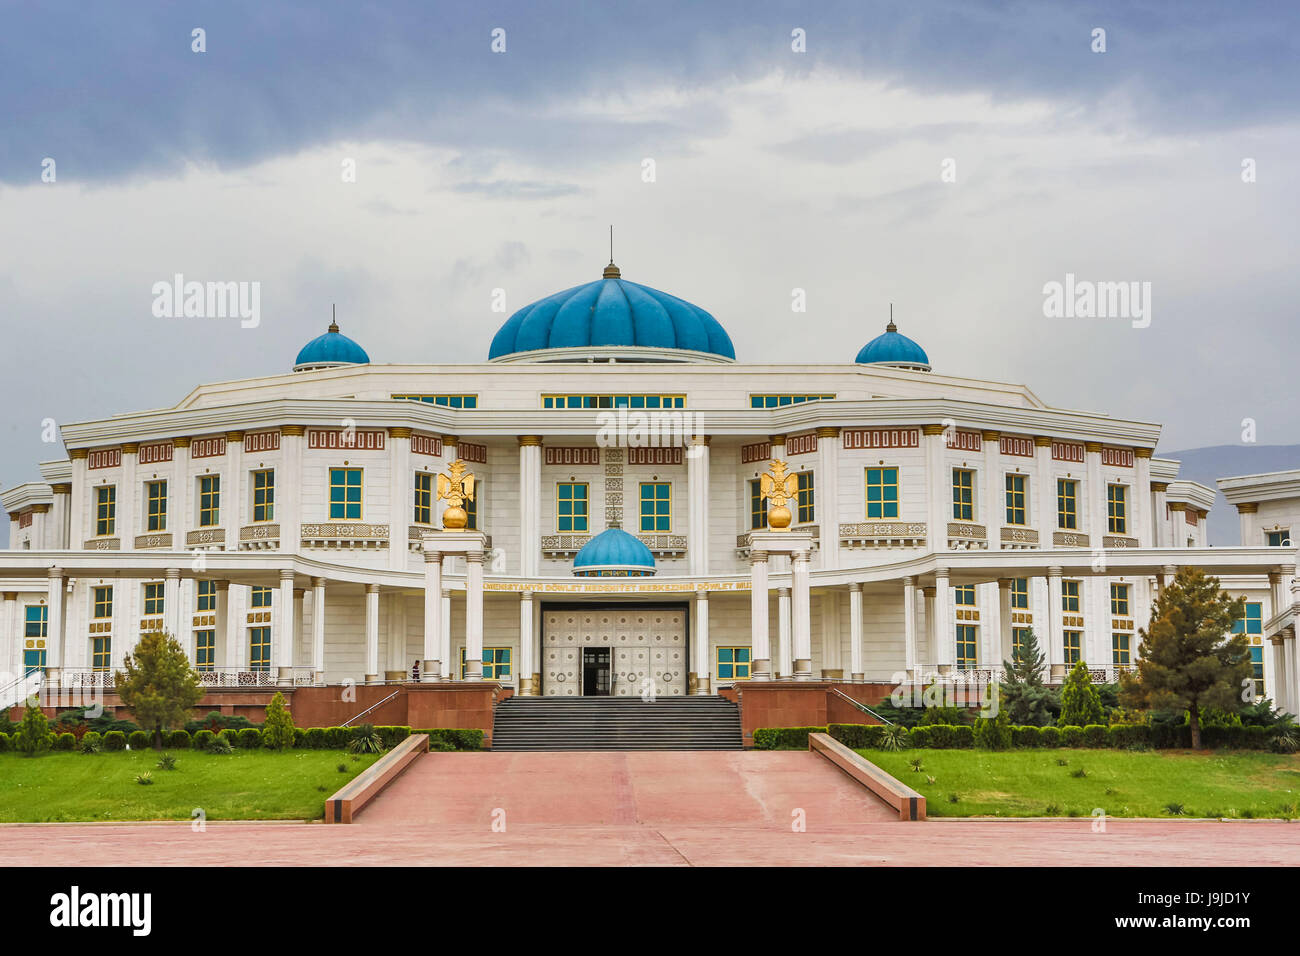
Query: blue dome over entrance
613,313
614,553
332,348
894,348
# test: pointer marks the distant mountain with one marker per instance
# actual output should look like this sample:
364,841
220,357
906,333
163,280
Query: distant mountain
1206,465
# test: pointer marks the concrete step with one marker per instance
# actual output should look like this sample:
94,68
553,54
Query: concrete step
614,723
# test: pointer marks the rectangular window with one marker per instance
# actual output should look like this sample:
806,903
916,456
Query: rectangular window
1020,594
103,603
805,497
1120,655
345,494
496,663
571,506
423,498
1067,508
1073,647
209,501
206,596
757,507
780,401
1018,643
471,508
264,495
965,646
155,506
1117,508
882,493
656,506
1253,622
105,509
1278,539
964,595
260,597
613,401
963,494
1015,499
1257,669
153,598
733,663
446,401
259,648
101,653
35,624
1119,604
205,650
1070,596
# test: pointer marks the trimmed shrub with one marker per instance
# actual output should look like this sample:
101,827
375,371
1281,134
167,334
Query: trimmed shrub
1168,735
92,739
278,731
5,745
139,740
202,739
920,737
1049,736
1094,735
460,738
231,737
1128,736
299,738
950,737
337,738
178,739
1071,736
784,738
115,740
858,736
392,736
963,737
1026,737
993,733
314,738
250,738
65,741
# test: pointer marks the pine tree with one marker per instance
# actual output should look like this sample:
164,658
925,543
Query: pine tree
277,732
33,736
1027,701
1080,702
158,685
1188,659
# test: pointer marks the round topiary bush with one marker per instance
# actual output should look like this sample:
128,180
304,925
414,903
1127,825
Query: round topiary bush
1049,736
250,738
202,739
919,737
178,739
65,742
5,745
92,739
1095,735
1071,736
139,740
115,740
315,738
1026,737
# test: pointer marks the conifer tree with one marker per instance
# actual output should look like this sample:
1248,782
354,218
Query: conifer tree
1080,702
158,684
1022,693
277,732
33,735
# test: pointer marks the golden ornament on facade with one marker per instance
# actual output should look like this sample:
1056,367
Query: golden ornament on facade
455,487
777,488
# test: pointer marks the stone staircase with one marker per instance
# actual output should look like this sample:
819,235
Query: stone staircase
616,723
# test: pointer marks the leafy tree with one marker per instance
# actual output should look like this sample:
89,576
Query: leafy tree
1189,660
159,685
33,736
1080,702
277,732
1022,694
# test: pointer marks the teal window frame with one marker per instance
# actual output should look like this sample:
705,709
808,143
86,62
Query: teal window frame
1121,649
757,507
733,663
496,663
1017,500
1020,594
260,596
155,598
205,595
963,494
656,507
205,649
346,491
1278,539
572,507
1120,603
209,501
1067,504
1117,508
259,649
423,490
967,641
882,493
1072,642
806,496
963,595
155,495
101,653
102,602
264,494
105,510
1070,596
1018,643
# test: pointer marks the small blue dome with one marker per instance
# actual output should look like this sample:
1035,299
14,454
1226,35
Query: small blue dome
611,312
332,348
614,552
894,348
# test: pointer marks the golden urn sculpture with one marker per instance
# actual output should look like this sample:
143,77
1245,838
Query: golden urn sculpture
456,487
777,488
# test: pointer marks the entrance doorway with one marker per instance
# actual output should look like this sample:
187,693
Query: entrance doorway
595,672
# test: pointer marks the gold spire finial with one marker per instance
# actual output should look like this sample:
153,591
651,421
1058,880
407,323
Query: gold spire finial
891,327
611,270
334,318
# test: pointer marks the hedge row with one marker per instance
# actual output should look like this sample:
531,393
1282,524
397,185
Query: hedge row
949,737
453,738
251,738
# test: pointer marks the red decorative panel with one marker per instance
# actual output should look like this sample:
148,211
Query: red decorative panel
426,444
965,441
208,447
758,451
25,519
1067,451
1019,447
655,456
1191,517
468,452
801,444
572,456
107,458
261,441
357,439
154,453
1118,457
881,437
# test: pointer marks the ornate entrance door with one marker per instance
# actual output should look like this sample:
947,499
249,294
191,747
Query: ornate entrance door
646,644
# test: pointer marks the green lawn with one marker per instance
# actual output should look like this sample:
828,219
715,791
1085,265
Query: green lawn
245,785
1031,783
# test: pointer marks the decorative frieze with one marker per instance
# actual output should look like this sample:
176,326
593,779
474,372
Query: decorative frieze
345,534
1118,541
1016,447
208,447
962,529
104,458
255,537
470,452
205,536
644,455
156,540
887,534
347,439
104,544
757,451
1067,451
426,445
664,544
571,455
864,438
563,544
1027,537
1117,457
801,444
964,441
261,441
155,453
1069,539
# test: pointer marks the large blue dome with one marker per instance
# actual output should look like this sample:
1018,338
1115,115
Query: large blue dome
614,552
332,348
612,313
894,348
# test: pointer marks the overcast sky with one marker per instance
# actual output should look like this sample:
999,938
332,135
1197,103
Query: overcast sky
774,170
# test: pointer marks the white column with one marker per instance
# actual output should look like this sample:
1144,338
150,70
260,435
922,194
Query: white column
401,512
697,483
856,671
832,646
784,650
10,639
990,625
444,651
431,668
703,656
930,665
945,650
180,510
1292,677
995,489
525,675
530,505
826,495
801,615
54,625
172,607
288,488
474,616
301,636
228,623
1177,524
1042,493
1278,689
128,499
232,490
909,627
1004,622
372,633
938,484
1246,517
1095,493
1055,637
397,636
1159,518
1141,512
287,627
79,499
760,645
318,629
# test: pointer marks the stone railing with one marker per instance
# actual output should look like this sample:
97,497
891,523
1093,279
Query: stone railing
344,534
883,534
156,539
1013,538
301,676
964,536
744,541
104,544
1117,541
1069,539
195,539
261,536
